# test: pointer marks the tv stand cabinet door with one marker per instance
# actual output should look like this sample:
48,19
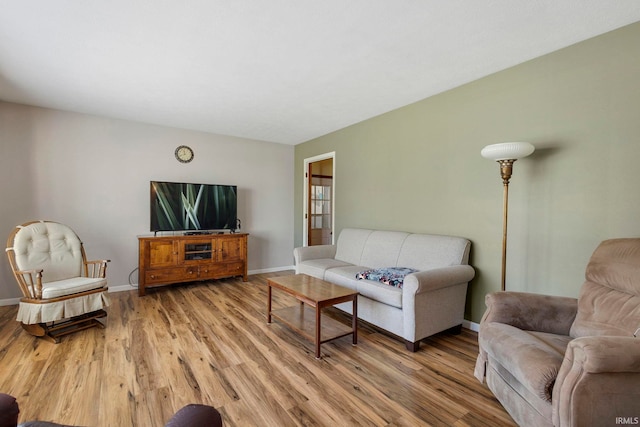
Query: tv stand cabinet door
230,249
162,253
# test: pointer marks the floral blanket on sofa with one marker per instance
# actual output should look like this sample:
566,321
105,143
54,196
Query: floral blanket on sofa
392,276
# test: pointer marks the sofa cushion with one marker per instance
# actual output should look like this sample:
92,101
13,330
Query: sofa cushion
392,276
534,358
345,276
318,267
380,292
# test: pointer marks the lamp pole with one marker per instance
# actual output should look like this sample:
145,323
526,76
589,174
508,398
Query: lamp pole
506,168
505,154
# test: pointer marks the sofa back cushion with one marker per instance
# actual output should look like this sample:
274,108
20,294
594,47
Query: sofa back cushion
351,244
609,301
381,249
427,251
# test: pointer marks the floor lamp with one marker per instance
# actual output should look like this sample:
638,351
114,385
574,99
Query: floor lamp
506,153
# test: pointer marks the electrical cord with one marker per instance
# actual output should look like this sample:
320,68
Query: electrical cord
133,285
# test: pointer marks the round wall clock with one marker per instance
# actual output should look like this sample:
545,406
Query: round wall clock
184,154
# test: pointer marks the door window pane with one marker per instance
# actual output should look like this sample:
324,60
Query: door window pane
321,206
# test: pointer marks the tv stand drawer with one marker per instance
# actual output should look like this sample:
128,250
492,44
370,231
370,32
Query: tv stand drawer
220,270
233,269
171,275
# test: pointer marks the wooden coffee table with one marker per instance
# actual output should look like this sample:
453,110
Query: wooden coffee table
314,295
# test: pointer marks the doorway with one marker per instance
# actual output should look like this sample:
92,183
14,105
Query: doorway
319,200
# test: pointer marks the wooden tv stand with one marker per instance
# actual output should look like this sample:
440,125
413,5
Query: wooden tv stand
166,260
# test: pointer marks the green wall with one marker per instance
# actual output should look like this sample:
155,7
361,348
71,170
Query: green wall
419,168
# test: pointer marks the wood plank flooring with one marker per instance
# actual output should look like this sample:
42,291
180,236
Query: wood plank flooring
210,343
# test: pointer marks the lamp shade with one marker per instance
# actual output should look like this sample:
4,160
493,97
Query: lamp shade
507,150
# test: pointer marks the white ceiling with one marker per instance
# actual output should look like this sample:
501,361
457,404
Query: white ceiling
284,71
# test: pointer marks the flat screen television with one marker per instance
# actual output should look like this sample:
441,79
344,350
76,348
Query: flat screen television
178,206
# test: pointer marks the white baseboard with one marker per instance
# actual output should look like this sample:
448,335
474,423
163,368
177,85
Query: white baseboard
272,270
10,301
471,325
122,288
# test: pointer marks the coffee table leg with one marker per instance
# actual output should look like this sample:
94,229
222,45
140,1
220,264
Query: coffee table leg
318,331
268,303
354,320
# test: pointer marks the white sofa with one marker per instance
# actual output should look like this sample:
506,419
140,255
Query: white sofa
430,300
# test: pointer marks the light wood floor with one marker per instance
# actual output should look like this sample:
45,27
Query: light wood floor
210,343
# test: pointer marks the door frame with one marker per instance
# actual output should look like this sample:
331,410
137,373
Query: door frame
306,195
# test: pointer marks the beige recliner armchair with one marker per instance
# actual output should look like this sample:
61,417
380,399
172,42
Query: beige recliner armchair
566,362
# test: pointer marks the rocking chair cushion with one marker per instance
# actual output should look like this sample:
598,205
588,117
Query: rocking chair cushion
61,288
50,246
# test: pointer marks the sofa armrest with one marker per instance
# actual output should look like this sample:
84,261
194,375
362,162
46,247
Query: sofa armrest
598,382
531,312
430,280
304,253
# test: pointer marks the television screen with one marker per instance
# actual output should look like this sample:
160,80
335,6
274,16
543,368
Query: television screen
181,206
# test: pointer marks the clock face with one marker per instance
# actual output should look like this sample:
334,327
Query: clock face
184,154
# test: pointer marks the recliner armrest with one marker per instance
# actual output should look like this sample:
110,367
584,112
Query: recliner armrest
304,253
598,382
430,280
599,354
531,312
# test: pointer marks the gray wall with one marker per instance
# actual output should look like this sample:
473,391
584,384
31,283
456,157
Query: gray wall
419,168
93,174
